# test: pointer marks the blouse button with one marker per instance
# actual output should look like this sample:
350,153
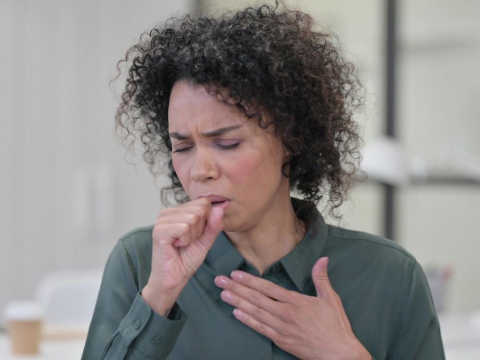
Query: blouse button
137,324
157,339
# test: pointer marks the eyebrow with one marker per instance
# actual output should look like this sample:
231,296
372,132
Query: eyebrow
213,133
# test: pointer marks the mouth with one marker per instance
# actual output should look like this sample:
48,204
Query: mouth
224,204
216,200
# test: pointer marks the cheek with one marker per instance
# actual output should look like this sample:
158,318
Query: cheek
242,169
180,168
250,172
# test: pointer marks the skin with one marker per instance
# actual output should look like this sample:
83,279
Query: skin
249,175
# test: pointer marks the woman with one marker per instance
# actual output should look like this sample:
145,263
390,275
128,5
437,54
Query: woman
247,108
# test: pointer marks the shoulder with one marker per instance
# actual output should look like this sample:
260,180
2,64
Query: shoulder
385,264
138,244
375,251
137,236
371,241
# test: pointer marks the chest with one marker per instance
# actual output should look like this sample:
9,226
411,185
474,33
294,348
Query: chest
212,332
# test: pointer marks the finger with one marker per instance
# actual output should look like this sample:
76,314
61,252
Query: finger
325,290
256,325
171,232
263,286
243,294
212,228
170,214
178,214
250,308
321,280
203,213
196,222
202,202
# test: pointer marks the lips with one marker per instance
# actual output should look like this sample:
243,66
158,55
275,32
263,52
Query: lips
218,203
214,198
224,204
217,200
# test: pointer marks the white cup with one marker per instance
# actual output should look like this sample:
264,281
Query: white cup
24,319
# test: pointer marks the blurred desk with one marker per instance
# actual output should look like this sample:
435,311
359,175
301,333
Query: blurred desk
461,335
50,349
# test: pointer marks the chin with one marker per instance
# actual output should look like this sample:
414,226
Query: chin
227,226
233,226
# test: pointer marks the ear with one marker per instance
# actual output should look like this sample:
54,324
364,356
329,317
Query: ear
288,156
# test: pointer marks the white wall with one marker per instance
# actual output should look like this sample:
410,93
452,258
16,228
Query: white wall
66,192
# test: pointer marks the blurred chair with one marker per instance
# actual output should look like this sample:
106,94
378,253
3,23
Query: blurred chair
69,299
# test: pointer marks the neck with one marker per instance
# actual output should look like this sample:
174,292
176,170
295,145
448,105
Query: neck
274,236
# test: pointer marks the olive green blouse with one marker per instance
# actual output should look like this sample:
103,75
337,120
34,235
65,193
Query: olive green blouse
383,289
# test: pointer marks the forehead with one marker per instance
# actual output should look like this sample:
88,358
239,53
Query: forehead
192,104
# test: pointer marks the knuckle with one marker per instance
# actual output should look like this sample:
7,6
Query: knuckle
262,329
255,297
235,301
277,339
257,314
200,210
286,316
204,201
157,240
193,218
283,331
203,212
336,297
232,286
246,279
266,288
284,342
185,229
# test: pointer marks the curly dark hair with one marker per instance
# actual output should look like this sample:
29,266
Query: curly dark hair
273,63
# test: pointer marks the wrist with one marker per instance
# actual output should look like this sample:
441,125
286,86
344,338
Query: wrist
160,301
362,353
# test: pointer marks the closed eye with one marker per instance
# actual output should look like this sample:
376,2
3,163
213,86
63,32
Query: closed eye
223,147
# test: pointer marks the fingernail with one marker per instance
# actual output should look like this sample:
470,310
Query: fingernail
227,295
220,281
237,275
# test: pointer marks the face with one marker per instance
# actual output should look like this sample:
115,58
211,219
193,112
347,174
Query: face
242,162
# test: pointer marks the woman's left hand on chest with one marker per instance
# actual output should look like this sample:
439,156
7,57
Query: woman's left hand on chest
307,327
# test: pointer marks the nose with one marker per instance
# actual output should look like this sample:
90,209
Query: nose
204,166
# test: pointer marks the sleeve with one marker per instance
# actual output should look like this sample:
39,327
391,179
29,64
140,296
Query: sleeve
418,336
123,325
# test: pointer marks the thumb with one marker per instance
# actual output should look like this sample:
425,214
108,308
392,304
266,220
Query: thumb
213,227
321,280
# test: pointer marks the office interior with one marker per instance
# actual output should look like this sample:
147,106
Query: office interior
70,189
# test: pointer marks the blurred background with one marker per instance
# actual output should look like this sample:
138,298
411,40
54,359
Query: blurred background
68,190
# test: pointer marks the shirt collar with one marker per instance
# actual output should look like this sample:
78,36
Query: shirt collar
224,256
298,263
